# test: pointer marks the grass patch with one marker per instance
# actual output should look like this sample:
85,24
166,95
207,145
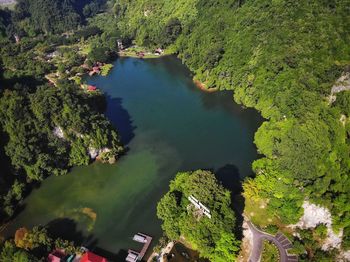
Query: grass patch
105,69
256,211
76,79
85,49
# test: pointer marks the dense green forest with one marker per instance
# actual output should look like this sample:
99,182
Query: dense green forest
214,236
32,17
282,58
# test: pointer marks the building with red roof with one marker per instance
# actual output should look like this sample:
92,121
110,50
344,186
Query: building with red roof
96,69
56,256
91,88
91,257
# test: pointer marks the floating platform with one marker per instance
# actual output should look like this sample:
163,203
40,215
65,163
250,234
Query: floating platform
134,256
140,238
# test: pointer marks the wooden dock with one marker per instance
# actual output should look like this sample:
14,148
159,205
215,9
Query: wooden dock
137,256
145,246
132,256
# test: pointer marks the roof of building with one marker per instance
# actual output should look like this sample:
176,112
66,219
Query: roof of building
92,88
56,256
91,257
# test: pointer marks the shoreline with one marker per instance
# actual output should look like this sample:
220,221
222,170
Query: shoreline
169,247
122,54
203,87
162,252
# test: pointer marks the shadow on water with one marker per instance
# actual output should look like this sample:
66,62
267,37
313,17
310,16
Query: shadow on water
120,256
120,118
230,178
224,100
66,228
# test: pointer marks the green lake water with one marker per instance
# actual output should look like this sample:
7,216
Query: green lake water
168,125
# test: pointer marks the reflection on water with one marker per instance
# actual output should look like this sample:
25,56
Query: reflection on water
169,126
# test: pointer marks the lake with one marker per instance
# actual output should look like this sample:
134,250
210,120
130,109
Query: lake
168,125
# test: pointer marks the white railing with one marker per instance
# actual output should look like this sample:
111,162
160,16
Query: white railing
199,205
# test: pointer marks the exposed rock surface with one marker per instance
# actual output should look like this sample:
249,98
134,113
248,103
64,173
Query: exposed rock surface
95,153
58,131
315,215
342,84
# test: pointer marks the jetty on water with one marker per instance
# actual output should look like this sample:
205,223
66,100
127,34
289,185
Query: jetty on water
133,255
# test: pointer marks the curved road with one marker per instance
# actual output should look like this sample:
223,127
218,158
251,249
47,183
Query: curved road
281,242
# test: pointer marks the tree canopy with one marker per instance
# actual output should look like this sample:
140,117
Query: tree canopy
214,236
32,17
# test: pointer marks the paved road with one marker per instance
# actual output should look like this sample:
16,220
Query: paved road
279,240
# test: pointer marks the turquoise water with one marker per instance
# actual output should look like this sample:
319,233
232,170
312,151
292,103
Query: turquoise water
168,125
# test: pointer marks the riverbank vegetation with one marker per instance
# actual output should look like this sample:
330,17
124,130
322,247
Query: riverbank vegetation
213,237
33,17
33,245
282,58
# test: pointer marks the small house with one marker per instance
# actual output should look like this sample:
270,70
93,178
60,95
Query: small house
140,238
158,51
96,69
133,256
91,88
140,54
120,44
56,256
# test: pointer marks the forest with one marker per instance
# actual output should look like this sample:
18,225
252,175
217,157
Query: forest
282,58
34,17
